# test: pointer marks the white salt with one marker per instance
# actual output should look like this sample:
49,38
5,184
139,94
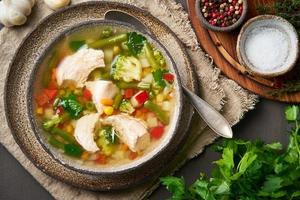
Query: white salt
267,48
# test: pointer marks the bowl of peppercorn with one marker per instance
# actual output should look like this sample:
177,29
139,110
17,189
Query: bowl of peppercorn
221,15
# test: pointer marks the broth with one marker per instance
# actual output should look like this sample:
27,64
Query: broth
106,96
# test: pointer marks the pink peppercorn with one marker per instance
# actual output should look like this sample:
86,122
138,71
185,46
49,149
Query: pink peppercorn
221,13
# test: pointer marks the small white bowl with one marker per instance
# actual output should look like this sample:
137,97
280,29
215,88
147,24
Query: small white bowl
263,23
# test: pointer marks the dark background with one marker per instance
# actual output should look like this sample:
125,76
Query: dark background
266,122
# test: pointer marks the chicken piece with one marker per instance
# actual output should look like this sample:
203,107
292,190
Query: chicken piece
132,132
84,132
101,90
77,67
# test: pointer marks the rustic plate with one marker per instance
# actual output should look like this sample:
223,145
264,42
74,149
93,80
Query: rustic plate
222,48
18,79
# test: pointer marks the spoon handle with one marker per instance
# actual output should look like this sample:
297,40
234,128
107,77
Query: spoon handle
212,117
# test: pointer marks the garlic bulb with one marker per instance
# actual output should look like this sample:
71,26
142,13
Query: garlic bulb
15,12
57,4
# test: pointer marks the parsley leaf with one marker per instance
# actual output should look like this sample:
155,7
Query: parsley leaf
176,186
249,170
72,106
135,43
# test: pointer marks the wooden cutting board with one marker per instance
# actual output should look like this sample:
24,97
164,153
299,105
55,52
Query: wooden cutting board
222,48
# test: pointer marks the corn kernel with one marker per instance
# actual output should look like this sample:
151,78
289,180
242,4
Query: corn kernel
39,111
61,93
124,147
146,71
107,102
85,155
116,50
69,128
108,110
160,98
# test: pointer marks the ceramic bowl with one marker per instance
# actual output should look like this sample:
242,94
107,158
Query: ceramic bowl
234,26
21,82
35,80
269,22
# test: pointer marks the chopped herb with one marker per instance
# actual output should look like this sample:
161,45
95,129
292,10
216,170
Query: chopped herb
159,82
72,106
135,43
110,134
248,170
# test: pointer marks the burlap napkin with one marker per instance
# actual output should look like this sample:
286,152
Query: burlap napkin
222,93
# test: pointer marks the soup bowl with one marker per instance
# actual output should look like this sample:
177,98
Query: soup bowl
22,82
41,69
131,173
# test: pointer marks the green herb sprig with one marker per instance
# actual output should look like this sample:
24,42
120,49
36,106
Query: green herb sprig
288,9
288,87
248,170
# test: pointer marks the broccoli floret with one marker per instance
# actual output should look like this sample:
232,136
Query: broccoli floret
54,121
48,124
159,58
135,43
126,107
126,68
107,140
107,148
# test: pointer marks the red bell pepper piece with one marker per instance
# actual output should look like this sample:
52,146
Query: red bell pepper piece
133,155
87,95
128,93
51,93
59,110
168,77
101,159
157,132
46,96
42,99
139,98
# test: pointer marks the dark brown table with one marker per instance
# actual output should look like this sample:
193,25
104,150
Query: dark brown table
266,122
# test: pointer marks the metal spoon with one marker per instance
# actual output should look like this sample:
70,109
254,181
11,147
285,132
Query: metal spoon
212,117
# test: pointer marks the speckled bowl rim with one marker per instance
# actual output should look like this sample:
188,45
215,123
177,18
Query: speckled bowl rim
243,61
30,96
221,29
74,178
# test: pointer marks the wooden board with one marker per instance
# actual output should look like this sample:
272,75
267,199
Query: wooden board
222,48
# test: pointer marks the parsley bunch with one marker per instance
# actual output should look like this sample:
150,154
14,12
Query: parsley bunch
248,170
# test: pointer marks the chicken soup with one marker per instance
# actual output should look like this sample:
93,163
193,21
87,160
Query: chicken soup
107,96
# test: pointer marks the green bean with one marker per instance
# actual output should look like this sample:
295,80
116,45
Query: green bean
117,100
54,142
161,114
64,135
150,56
125,85
108,41
73,150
